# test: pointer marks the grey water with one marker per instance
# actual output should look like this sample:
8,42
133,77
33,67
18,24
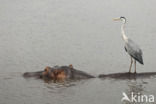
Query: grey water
39,33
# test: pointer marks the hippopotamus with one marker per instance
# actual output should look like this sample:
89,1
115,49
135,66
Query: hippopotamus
59,73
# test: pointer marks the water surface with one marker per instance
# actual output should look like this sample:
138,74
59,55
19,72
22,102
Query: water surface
39,33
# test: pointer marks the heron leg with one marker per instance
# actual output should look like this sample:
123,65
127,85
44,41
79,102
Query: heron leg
130,65
135,66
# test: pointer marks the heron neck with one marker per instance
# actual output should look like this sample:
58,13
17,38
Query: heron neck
124,37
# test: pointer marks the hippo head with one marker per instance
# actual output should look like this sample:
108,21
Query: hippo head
56,73
59,74
63,72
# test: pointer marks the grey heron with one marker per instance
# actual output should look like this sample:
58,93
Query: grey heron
130,46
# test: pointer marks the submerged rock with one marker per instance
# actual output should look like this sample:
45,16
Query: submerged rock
127,75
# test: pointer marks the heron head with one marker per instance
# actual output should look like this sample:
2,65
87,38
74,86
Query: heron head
123,19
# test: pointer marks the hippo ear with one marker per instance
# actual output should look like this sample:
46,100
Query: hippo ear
47,68
71,66
45,72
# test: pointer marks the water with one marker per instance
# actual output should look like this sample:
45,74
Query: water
39,33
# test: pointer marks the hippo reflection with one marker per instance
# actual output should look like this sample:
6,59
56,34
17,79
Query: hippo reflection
59,73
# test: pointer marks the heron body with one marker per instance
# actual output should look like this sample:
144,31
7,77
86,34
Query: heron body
130,46
134,51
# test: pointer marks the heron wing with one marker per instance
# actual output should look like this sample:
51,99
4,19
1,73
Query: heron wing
134,50
125,49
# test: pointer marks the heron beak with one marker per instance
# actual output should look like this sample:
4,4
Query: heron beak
116,19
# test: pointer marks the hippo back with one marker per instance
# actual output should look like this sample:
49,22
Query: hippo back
77,74
72,73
